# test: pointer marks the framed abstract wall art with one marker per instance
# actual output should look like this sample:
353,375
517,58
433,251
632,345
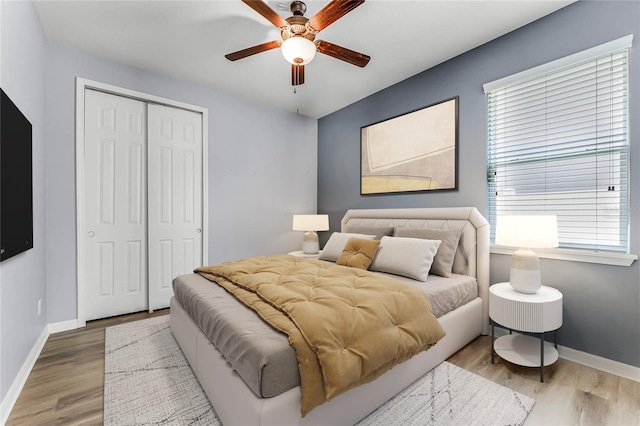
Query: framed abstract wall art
415,151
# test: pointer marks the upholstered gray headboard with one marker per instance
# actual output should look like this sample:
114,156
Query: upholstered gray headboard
472,257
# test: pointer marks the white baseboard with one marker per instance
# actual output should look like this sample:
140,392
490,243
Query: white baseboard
599,363
607,365
57,327
14,391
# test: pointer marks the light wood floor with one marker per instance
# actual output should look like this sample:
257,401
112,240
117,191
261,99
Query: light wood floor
572,394
65,386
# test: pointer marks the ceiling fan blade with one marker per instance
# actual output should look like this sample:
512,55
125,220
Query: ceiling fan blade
297,75
342,53
332,12
263,9
252,50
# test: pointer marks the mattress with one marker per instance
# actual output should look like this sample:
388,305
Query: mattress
262,355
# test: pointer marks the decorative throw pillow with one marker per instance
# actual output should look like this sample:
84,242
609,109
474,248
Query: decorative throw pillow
443,261
409,257
378,231
333,249
358,253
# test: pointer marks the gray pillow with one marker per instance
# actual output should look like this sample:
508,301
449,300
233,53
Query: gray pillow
443,261
378,231
334,247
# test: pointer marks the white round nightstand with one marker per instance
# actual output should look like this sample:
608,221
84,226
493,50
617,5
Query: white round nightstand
532,313
300,253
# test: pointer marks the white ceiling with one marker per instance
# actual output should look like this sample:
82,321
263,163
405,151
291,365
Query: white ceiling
188,39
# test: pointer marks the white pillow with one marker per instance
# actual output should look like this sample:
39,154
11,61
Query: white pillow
334,247
409,257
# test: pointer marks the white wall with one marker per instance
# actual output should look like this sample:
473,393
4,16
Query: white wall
259,175
23,277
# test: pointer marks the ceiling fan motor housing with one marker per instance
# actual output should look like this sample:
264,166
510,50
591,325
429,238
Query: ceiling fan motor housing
298,8
298,26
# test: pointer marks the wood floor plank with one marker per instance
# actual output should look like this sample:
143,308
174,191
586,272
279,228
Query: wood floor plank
627,403
66,385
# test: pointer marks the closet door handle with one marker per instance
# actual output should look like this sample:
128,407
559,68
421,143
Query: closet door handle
91,234
198,230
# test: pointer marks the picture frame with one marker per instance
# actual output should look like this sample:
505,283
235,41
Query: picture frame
413,152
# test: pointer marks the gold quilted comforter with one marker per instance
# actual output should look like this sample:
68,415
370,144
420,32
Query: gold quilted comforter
347,325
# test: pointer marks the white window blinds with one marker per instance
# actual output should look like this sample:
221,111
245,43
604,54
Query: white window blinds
557,144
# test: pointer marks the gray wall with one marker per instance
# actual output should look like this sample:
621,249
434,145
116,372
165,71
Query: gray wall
23,277
258,175
601,303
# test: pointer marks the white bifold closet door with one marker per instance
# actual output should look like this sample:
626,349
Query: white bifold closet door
143,202
175,201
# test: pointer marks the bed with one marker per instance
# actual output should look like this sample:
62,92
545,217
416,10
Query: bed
236,400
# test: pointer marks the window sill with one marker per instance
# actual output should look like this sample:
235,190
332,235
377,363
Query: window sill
573,255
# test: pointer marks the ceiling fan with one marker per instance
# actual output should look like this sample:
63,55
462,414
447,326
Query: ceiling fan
298,34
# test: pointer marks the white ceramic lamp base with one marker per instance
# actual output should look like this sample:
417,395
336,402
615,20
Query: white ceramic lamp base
525,271
310,243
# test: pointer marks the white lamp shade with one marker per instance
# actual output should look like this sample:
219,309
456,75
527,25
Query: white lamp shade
530,231
298,50
310,222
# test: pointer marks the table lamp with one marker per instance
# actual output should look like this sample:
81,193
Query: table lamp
310,223
526,232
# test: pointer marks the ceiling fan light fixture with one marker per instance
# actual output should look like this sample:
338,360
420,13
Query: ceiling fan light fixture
298,50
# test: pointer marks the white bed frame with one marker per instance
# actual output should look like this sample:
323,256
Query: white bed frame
236,404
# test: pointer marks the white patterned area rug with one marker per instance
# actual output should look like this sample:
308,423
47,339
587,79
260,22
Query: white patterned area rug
450,395
148,381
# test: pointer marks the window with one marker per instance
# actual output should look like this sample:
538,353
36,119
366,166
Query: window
557,144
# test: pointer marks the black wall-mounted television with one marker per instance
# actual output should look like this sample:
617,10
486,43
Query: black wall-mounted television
16,180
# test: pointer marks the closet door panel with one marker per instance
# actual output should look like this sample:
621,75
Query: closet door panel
174,198
114,231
